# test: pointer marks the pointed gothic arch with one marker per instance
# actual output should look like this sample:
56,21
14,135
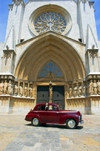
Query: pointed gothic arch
46,47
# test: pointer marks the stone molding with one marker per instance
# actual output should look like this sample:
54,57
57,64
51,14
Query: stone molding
18,2
11,7
93,53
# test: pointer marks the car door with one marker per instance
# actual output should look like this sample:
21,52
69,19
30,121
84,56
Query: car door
42,113
53,116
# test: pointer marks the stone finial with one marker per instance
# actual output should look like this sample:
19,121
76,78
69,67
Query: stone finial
7,47
93,46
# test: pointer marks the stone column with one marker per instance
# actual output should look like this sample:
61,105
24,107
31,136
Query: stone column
70,89
28,88
23,88
19,88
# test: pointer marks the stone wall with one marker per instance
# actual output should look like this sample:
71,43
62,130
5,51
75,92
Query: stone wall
15,105
88,105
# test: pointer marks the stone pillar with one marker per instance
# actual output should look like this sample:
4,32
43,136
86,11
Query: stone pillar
28,89
16,89
70,91
19,88
8,61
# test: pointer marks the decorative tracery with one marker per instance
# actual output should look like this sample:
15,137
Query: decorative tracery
50,69
50,21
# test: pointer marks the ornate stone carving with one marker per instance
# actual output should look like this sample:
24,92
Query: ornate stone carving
80,91
11,7
84,90
98,87
93,53
21,90
10,88
7,54
30,91
50,21
26,90
18,2
1,88
5,87
90,88
16,89
75,91
70,92
95,87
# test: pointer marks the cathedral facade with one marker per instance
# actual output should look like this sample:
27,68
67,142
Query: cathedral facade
51,54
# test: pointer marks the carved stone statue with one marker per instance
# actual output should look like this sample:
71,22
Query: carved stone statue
90,88
98,87
1,88
80,91
95,87
16,89
21,90
30,91
10,88
75,91
26,91
84,90
50,92
70,92
5,87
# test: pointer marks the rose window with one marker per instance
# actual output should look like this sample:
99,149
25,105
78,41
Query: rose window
50,21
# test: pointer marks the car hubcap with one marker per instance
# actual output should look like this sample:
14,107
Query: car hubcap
71,123
35,121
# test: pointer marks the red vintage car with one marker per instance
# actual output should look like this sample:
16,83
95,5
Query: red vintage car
50,113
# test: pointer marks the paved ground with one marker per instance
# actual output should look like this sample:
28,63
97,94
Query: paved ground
16,134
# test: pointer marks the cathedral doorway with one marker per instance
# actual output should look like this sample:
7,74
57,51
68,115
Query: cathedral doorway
44,95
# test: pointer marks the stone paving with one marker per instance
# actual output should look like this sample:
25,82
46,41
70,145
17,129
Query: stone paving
16,134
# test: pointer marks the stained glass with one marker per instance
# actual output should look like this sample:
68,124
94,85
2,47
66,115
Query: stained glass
50,67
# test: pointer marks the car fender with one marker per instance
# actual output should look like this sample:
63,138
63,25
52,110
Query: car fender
33,115
69,116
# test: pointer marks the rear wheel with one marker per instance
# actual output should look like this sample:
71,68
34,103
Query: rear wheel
71,123
35,121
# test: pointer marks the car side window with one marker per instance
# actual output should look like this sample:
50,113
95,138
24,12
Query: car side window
52,108
41,107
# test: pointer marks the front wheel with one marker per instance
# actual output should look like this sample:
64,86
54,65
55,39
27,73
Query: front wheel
35,121
71,123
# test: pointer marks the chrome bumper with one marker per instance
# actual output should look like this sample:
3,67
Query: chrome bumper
81,122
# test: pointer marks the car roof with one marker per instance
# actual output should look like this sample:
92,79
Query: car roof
46,103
